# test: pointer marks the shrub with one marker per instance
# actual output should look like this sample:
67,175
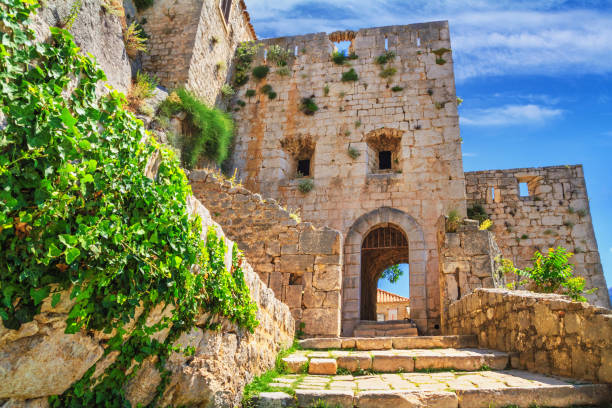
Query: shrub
306,185
143,4
278,55
245,53
73,14
388,72
221,66
249,93
141,89
113,7
338,57
308,106
384,58
350,75
524,236
283,71
477,212
227,90
397,89
272,95
453,220
326,90
80,218
241,103
134,40
550,273
261,71
459,101
440,52
266,89
440,61
353,153
213,130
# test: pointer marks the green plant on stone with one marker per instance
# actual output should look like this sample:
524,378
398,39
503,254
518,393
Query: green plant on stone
261,71
221,66
143,88
524,236
306,185
477,212
440,52
212,130
338,57
387,72
278,55
308,106
84,220
283,71
384,58
326,90
241,103
73,14
582,213
453,220
353,153
440,61
143,4
459,101
266,89
112,7
134,40
227,90
357,124
350,75
272,95
397,89
245,53
249,93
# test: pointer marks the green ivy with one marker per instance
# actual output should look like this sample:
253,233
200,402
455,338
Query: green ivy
78,215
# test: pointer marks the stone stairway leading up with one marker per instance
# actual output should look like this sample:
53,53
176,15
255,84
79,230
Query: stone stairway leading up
367,328
406,372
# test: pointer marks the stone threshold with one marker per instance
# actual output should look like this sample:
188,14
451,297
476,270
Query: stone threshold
441,389
396,360
386,343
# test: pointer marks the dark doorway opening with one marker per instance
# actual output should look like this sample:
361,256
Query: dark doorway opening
303,167
384,160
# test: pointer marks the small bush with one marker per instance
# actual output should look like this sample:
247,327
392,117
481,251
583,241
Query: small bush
440,105
227,90
440,52
353,153
272,95
221,66
308,106
283,71
459,101
384,58
569,224
524,236
245,53
453,220
143,4
485,225
582,213
338,57
249,93
440,61
430,92
306,185
266,89
350,75
141,89
326,90
278,55
397,89
241,103
357,124
113,7
388,72
477,212
550,273
261,71
134,40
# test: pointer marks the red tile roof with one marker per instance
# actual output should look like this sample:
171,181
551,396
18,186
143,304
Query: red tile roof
382,296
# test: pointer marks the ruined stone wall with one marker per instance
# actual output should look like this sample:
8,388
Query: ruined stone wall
555,213
191,45
467,262
40,360
300,263
418,123
549,333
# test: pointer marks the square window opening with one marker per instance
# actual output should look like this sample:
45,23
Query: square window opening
303,167
384,160
523,189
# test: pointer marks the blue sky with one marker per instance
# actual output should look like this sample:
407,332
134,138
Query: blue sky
535,76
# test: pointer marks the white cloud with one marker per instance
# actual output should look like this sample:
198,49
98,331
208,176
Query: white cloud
488,38
470,154
509,115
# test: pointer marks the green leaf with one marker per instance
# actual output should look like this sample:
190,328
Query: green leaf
67,118
54,251
38,295
154,239
84,144
72,254
55,299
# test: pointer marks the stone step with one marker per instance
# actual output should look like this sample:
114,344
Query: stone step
392,332
387,323
393,361
441,389
386,343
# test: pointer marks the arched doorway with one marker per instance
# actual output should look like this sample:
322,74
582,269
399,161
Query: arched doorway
415,253
384,246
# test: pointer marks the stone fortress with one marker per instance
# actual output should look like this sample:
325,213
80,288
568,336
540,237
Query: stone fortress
383,154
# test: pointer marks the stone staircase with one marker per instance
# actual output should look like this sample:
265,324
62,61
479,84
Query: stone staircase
427,371
368,328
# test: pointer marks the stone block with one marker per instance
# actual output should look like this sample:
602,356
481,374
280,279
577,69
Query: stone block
295,364
392,363
321,343
415,399
333,398
326,277
320,242
274,400
296,263
321,322
323,366
355,362
380,343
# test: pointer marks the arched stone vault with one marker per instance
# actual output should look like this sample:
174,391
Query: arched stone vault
417,256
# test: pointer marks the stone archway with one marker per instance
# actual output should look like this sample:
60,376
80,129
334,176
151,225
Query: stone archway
352,274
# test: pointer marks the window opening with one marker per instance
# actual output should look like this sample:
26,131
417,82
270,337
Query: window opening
265,55
384,160
392,314
493,193
523,189
303,167
386,44
380,317
295,51
343,47
418,41
226,7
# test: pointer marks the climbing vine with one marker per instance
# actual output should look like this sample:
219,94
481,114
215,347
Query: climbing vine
79,217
